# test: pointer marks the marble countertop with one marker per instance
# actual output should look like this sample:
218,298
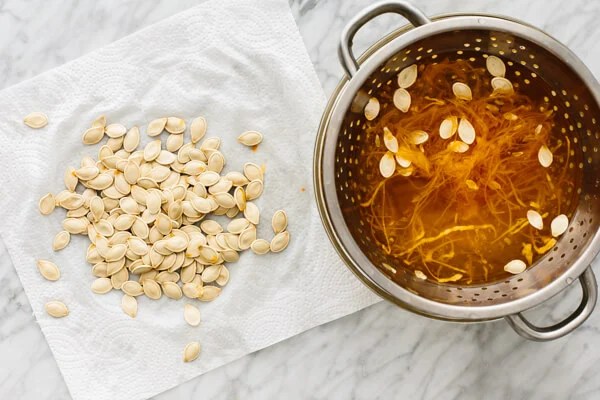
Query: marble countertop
381,352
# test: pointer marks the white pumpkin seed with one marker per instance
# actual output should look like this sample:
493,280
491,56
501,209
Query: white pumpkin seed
515,266
250,138
448,127
462,91
47,204
280,242
407,77
175,125
48,270
56,309
372,109
387,164
174,142
115,131
535,219
545,156
502,85
251,170
101,286
402,100
466,131
495,66
93,135
260,246
252,213
254,189
191,351
129,305
61,240
152,289
418,137
198,129
279,222
390,141
156,127
36,120
70,179
132,139
152,150
209,293
172,290
559,225
132,288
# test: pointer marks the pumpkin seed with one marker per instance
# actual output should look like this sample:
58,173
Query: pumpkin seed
129,305
252,213
61,240
418,137
209,293
115,131
47,204
132,139
535,219
197,129
250,138
48,270
251,170
407,77
260,246
70,179
191,315
515,266
36,120
462,91
279,221
132,288
172,290
372,109
402,100
545,156
191,290
175,125
390,141
559,225
280,241
156,127
93,135
495,66
191,351
466,131
152,150
502,85
151,289
101,286
387,164
56,309
254,189
174,142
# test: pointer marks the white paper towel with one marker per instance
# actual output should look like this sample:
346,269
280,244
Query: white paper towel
242,65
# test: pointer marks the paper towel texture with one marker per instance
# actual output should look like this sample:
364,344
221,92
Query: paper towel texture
242,65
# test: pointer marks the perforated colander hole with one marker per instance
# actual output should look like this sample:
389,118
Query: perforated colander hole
562,255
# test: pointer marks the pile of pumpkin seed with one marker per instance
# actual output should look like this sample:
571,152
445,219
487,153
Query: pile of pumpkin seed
147,214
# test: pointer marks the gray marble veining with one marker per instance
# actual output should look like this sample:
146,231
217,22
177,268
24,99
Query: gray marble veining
379,353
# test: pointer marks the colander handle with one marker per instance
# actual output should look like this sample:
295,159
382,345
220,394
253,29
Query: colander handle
529,331
406,9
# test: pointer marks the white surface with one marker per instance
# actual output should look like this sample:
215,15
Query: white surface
240,75
378,353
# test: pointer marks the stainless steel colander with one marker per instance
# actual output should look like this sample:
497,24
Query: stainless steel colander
532,56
